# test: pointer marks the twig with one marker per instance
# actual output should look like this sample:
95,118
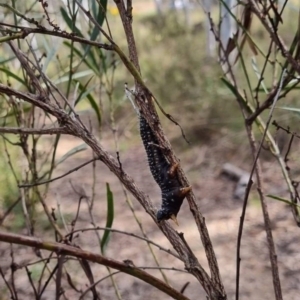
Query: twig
255,167
58,177
94,257
8,211
130,234
49,278
287,130
129,203
13,268
274,35
116,289
97,282
60,263
43,271
271,245
31,282
8,285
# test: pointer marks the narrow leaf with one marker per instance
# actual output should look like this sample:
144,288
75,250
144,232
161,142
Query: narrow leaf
75,76
13,75
109,218
293,109
231,88
69,22
91,99
100,17
83,58
283,200
72,152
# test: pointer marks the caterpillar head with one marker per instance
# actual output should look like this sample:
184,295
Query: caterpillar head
166,214
171,203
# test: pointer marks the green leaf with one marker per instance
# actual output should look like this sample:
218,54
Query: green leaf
75,76
294,45
69,22
72,26
51,51
71,152
103,59
89,96
109,218
91,66
5,60
83,90
293,109
231,88
26,107
13,75
99,17
283,200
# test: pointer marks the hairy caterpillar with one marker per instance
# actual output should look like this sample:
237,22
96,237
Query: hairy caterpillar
164,174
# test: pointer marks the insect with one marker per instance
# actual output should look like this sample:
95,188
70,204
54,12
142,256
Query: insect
164,174
162,171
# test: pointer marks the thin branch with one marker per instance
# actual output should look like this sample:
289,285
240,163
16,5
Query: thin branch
271,245
136,218
58,177
19,130
8,211
12,294
129,234
25,31
256,154
31,282
97,282
118,272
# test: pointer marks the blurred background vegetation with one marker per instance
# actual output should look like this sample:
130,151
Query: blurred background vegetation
183,75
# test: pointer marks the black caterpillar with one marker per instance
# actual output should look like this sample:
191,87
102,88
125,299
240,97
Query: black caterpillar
164,174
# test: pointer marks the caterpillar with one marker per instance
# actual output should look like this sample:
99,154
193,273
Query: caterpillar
164,174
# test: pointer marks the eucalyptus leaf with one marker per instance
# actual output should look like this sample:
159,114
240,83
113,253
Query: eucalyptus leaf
70,153
109,218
